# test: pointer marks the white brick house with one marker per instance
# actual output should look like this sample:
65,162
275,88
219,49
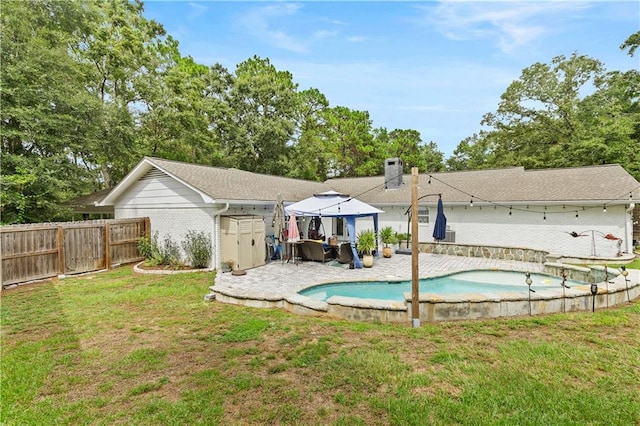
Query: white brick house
511,207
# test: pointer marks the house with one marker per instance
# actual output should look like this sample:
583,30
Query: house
581,211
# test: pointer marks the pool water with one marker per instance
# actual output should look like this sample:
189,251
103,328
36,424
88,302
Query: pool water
489,283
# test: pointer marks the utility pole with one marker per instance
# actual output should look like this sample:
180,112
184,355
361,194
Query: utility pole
415,285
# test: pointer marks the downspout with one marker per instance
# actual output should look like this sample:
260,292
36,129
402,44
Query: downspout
215,242
628,227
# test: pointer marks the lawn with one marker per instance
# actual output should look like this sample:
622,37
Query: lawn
123,348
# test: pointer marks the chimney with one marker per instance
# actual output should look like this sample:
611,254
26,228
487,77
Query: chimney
393,173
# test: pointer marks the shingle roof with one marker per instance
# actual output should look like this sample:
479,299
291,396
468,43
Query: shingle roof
595,184
609,184
233,184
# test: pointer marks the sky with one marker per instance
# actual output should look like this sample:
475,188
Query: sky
432,66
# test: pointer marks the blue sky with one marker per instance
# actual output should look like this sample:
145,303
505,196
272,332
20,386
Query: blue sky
432,66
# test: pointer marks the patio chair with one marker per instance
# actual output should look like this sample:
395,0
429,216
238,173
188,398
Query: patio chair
345,255
315,250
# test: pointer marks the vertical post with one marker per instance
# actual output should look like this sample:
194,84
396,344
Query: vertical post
107,246
415,285
147,227
60,242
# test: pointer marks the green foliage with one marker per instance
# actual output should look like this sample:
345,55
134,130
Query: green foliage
366,241
89,88
388,236
545,120
197,246
166,253
70,350
170,252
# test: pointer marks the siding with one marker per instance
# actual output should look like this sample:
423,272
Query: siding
489,226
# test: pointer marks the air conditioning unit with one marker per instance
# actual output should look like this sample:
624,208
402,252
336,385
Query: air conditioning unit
449,236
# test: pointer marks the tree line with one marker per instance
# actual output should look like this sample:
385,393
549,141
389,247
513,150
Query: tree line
90,87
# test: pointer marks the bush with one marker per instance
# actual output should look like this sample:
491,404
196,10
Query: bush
197,246
149,249
170,252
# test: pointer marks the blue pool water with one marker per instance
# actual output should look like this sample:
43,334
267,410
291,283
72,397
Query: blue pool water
489,283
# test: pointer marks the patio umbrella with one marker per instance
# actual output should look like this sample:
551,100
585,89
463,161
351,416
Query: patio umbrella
294,233
278,219
440,227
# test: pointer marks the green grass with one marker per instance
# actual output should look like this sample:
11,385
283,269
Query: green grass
122,348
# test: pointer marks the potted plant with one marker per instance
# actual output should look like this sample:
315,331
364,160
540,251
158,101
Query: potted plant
388,237
366,242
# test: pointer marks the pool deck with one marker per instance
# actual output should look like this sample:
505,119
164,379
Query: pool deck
276,285
276,280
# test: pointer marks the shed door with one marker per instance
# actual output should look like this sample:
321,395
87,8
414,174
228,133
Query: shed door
258,242
245,235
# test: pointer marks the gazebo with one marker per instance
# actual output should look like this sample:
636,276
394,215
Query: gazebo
335,204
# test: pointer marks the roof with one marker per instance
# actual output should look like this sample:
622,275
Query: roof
219,184
331,203
609,184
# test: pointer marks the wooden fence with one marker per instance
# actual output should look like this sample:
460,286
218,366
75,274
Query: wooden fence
38,251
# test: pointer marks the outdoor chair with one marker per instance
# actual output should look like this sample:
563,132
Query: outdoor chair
315,251
345,255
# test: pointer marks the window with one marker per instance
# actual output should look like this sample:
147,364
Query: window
339,226
423,216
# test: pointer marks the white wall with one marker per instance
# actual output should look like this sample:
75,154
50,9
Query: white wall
527,229
173,209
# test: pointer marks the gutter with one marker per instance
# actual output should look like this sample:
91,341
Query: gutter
215,242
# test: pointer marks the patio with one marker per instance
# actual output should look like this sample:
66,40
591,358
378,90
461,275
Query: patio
276,281
276,284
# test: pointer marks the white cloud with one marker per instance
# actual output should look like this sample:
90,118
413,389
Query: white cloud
196,10
257,23
356,39
273,25
510,25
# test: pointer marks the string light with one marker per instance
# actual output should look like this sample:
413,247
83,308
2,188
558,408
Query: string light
604,208
471,202
510,208
544,218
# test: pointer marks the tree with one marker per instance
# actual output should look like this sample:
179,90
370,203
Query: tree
264,103
350,143
123,49
47,115
309,157
408,145
537,119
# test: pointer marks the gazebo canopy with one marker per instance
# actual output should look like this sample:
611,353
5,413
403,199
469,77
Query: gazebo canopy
334,204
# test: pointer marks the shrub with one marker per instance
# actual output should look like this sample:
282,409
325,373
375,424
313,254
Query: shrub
170,252
197,247
149,249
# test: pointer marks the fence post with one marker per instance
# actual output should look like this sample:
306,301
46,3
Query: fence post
147,227
107,246
60,243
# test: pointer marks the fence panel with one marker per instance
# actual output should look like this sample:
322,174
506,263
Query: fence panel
84,249
29,252
123,240
37,251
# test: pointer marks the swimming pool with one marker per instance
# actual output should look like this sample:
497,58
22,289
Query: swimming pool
489,283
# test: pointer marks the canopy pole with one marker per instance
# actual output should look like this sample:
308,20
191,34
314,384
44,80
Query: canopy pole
415,285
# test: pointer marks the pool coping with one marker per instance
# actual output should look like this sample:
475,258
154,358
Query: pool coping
433,307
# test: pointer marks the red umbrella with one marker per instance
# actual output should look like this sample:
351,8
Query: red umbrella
294,233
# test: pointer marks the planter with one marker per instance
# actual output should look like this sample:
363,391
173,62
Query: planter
367,260
387,252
